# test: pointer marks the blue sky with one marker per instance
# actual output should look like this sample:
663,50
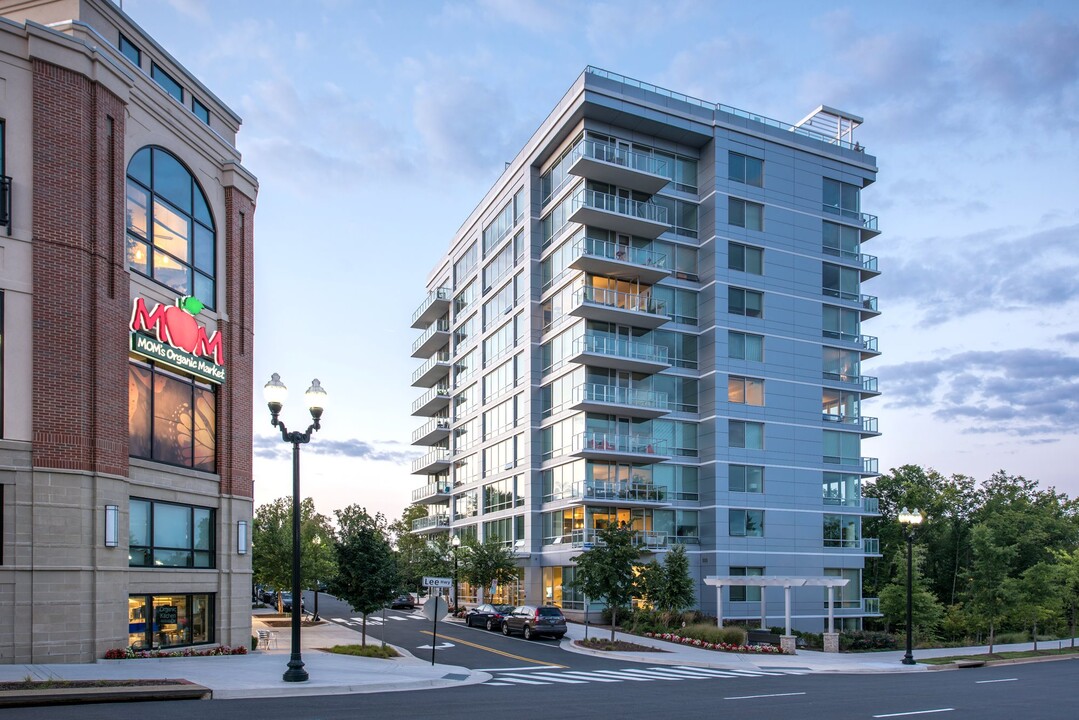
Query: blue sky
375,127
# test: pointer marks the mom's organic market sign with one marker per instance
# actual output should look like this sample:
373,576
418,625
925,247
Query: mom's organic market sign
170,334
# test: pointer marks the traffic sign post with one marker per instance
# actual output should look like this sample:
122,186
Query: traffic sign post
437,607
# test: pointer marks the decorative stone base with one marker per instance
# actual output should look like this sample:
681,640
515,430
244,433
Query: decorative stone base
831,642
786,644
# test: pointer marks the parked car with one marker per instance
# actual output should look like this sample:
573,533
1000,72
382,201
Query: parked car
403,602
532,621
286,602
268,596
488,616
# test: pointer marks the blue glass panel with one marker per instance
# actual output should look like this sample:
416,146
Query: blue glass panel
139,167
204,249
172,180
204,290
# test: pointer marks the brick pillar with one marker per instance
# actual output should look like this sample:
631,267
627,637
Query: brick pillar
81,291
234,431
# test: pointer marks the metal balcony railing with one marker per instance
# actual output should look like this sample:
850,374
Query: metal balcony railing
442,357
871,546
617,395
620,205
871,505
430,490
625,157
610,442
431,521
621,348
632,302
592,247
441,392
442,325
440,456
442,293
615,491
429,427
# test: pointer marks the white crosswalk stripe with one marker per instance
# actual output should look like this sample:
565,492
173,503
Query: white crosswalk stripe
508,678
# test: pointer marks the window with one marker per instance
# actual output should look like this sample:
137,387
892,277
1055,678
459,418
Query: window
505,530
840,198
848,596
741,593
1,402
745,258
680,303
167,535
745,302
170,231
743,346
745,391
465,505
841,489
172,418
746,523
745,478
840,323
465,265
681,214
518,205
748,435
130,51
745,169
840,282
842,448
840,240
165,80
201,111
501,495
840,405
745,214
165,621
498,228
841,531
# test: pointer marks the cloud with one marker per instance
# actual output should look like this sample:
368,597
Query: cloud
194,9
271,448
1002,270
1027,392
1072,337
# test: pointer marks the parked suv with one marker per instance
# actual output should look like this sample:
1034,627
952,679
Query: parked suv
532,621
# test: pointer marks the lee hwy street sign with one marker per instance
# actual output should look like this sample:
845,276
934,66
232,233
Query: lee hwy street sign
437,582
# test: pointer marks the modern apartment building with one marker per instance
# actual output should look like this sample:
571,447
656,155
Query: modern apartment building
126,283
655,317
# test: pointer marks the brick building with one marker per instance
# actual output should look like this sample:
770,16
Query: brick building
126,318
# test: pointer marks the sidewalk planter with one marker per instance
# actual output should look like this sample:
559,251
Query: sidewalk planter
722,647
129,654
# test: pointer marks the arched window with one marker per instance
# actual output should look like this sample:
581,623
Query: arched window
170,232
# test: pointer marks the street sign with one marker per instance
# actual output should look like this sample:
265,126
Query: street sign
437,582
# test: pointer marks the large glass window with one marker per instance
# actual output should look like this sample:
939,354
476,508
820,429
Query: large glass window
201,111
745,214
840,198
129,50
170,232
745,258
746,523
501,495
842,448
749,435
848,596
681,214
841,489
840,282
169,535
498,228
840,240
744,346
840,323
741,593
157,622
166,81
745,169
745,302
841,531
745,391
842,365
171,418
745,478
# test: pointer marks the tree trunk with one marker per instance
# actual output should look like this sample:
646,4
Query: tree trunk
1035,636
614,621
363,632
991,637
1072,624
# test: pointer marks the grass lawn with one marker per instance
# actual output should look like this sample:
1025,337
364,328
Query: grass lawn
371,651
1001,656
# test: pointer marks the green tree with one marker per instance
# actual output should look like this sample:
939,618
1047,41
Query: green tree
678,592
1038,595
366,569
605,572
436,557
990,596
926,611
488,562
409,547
271,538
1067,575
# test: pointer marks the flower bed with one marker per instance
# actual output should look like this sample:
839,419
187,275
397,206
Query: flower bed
723,647
129,654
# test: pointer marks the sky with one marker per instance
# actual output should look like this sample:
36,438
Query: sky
375,127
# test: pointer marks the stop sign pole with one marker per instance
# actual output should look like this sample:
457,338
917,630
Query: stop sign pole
433,583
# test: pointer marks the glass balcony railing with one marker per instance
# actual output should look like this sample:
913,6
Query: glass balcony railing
866,423
867,383
623,156
615,395
871,546
620,205
871,606
631,302
441,392
593,247
617,347
868,465
842,543
442,357
442,326
435,457
429,427
610,442
442,293
871,505
430,490
619,491
430,522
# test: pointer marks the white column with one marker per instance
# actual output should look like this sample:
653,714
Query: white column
719,605
764,608
831,621
787,607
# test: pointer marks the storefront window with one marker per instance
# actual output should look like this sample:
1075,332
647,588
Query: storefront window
164,621
171,418
168,535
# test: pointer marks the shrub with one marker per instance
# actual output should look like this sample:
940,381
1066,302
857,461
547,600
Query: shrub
624,615
254,643
862,640
132,654
715,635
371,651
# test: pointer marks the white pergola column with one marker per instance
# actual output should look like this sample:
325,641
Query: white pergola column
764,608
787,608
831,615
719,605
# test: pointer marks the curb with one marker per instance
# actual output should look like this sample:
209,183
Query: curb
974,662
68,696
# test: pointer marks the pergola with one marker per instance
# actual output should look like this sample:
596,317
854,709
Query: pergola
763,581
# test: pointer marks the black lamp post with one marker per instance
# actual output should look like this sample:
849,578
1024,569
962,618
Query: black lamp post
275,393
910,519
455,542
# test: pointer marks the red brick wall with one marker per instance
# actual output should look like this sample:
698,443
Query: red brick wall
234,430
81,291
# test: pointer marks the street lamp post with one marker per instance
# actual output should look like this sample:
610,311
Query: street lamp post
910,519
275,393
455,542
317,540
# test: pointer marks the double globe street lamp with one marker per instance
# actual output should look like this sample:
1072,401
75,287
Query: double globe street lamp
910,520
275,393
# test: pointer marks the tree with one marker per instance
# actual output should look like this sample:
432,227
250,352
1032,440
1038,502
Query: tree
606,571
366,569
1038,594
409,547
926,611
271,537
1067,575
990,593
488,562
678,583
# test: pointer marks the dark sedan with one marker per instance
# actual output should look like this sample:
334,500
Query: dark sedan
403,602
488,616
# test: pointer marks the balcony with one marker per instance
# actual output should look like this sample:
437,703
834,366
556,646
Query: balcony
867,465
619,353
644,540
632,217
622,401
431,523
871,505
432,401
867,304
871,546
867,222
432,462
435,337
431,432
431,493
612,447
866,383
602,257
635,494
866,263
866,343
619,166
868,425
433,307
621,308
867,505
437,367
870,606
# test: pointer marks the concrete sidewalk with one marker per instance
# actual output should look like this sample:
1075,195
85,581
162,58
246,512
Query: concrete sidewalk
258,674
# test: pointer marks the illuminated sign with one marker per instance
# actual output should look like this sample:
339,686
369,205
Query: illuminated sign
177,339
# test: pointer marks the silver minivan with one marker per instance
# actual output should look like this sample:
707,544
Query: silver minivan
532,621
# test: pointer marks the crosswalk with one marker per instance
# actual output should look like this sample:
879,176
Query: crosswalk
373,619
521,676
